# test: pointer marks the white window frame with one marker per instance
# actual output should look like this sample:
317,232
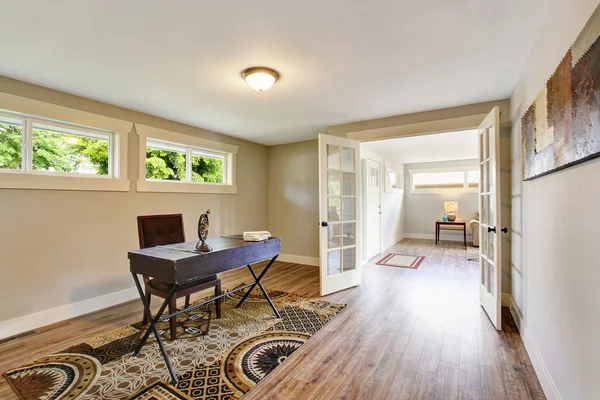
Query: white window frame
464,189
37,112
399,173
191,144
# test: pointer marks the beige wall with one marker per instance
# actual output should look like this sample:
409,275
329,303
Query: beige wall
556,267
424,209
60,247
293,197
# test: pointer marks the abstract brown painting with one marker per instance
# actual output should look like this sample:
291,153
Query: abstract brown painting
562,126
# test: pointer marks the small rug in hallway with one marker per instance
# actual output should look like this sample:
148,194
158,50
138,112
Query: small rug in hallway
401,260
240,349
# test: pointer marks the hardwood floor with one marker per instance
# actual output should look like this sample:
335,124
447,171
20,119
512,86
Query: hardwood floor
406,334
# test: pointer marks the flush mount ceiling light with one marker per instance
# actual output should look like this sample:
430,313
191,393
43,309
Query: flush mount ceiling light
260,78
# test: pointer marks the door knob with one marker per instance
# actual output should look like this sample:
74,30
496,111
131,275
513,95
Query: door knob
505,230
324,223
490,229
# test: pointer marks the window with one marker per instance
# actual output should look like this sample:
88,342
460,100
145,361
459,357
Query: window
71,151
435,180
41,153
394,181
175,162
172,162
11,144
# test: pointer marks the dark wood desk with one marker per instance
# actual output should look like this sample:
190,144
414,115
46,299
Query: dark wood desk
452,226
180,264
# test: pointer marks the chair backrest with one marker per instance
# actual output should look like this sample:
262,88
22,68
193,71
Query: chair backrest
157,230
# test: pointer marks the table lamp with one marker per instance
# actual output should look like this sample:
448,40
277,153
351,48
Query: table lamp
451,207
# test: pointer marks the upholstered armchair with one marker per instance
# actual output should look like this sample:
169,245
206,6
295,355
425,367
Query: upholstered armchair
475,228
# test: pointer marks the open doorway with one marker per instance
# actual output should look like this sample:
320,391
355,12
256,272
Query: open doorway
475,178
410,183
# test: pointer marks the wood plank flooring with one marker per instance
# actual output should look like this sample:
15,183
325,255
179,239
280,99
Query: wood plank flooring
406,334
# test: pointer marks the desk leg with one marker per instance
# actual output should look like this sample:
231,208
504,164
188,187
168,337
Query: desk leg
153,321
257,282
437,233
465,232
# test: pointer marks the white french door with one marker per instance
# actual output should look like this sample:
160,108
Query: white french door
490,195
339,213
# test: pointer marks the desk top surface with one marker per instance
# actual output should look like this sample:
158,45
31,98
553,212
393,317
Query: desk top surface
181,262
457,222
180,251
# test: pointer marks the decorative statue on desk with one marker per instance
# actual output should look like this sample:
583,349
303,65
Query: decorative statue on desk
203,233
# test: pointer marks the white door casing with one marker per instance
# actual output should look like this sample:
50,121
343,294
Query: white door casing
490,195
339,216
373,217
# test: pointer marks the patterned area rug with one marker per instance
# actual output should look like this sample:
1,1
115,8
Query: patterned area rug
239,350
401,260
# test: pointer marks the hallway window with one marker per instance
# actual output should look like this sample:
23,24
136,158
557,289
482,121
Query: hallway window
437,180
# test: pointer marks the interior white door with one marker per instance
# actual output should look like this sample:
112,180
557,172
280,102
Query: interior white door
339,200
373,181
490,195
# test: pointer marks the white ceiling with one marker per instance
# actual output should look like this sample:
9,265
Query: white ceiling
340,60
462,145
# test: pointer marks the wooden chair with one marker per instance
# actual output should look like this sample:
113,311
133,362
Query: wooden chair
158,230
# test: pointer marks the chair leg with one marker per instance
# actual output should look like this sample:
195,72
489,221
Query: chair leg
218,302
173,320
145,317
187,301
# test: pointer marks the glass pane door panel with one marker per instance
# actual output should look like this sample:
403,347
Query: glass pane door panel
491,177
492,213
492,276
483,215
484,138
349,209
333,183
334,209
349,234
488,210
485,277
490,250
335,236
334,266
333,157
348,183
348,159
483,241
485,183
490,141
349,259
481,151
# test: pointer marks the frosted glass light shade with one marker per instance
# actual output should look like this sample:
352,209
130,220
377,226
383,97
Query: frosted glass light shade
451,206
260,78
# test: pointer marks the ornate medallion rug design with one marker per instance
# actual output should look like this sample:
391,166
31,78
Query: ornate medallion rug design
239,350
401,260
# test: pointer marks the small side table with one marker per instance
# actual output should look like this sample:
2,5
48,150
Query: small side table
452,226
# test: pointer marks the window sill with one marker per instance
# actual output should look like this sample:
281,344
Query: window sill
49,182
184,187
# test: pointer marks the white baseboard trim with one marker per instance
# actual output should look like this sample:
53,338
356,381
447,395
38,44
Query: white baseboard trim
443,236
61,313
393,243
550,389
516,313
548,385
314,261
506,299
